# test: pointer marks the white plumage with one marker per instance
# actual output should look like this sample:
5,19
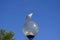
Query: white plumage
29,16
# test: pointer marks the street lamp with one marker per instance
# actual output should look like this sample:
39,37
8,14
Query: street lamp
30,28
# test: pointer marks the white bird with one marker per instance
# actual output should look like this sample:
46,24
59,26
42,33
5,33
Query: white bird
29,16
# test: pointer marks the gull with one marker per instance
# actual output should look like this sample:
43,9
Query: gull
29,16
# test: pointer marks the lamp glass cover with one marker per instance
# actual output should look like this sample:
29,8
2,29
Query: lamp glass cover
30,28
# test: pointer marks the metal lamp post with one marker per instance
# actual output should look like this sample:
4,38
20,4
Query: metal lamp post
30,28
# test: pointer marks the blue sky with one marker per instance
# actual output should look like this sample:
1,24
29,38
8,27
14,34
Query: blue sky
46,14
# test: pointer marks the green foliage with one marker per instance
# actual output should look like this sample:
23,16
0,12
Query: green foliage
6,35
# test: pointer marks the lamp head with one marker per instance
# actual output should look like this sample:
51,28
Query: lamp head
30,27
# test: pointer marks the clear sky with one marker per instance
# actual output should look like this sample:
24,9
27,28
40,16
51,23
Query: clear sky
46,14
